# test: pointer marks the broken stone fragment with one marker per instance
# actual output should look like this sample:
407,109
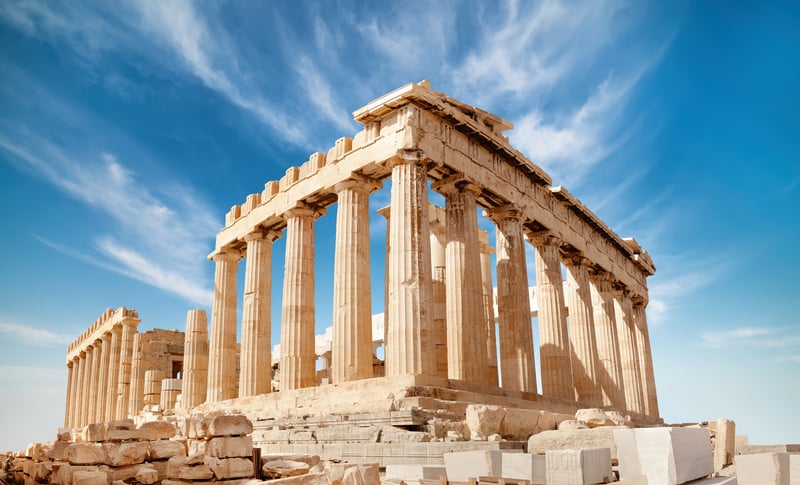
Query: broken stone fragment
86,454
225,468
122,454
89,478
230,447
162,449
284,468
594,417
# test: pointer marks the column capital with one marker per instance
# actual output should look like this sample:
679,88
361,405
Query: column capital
416,157
260,233
504,212
359,182
639,300
619,290
456,183
576,259
543,238
227,255
303,210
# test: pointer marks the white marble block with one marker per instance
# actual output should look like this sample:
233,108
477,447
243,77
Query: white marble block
524,466
412,474
463,465
667,456
768,469
578,467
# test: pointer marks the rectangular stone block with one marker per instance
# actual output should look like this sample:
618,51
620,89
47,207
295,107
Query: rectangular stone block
724,432
230,447
765,469
86,454
221,426
463,465
163,449
89,478
155,430
412,474
665,455
226,468
524,466
578,467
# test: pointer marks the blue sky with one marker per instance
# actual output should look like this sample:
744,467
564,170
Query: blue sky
127,130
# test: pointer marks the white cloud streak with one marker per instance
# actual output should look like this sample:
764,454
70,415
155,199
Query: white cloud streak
169,234
34,336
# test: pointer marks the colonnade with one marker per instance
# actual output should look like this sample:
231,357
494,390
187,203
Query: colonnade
99,369
439,317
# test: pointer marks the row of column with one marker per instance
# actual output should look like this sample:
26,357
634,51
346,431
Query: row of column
98,378
603,358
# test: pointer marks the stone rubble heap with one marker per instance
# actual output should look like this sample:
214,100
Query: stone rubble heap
216,449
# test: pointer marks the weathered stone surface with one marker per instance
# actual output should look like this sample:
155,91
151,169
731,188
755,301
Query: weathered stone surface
579,467
665,455
413,473
572,424
62,475
147,475
766,469
41,471
156,430
64,434
230,447
220,426
225,468
162,449
122,454
352,476
127,473
484,420
86,454
594,417
602,437
723,437
307,479
82,477
463,465
311,460
524,466
188,468
284,468
370,473
59,451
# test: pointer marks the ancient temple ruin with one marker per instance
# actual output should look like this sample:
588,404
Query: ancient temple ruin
448,328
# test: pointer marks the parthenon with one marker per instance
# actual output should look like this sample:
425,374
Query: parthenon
446,323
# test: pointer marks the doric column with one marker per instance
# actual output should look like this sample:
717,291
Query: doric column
88,397
385,212
195,359
75,397
645,356
125,358
70,392
488,308
170,389
409,348
80,398
298,360
629,357
439,285
554,351
351,350
255,368
466,320
222,342
609,370
581,332
113,372
136,401
102,380
513,306
97,360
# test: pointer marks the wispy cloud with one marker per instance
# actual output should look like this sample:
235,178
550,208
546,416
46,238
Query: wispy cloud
164,237
34,336
772,339
320,94
725,338
666,292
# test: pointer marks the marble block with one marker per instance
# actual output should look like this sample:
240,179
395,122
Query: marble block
768,469
524,466
667,456
579,467
463,465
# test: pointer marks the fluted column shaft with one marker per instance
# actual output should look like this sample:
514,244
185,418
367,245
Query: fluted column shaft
488,309
298,360
126,356
255,369
351,356
88,365
97,360
409,348
466,324
581,333
102,380
113,372
629,356
645,357
222,341
75,396
517,366
77,419
439,295
136,401
152,387
195,360
609,371
554,350
70,392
